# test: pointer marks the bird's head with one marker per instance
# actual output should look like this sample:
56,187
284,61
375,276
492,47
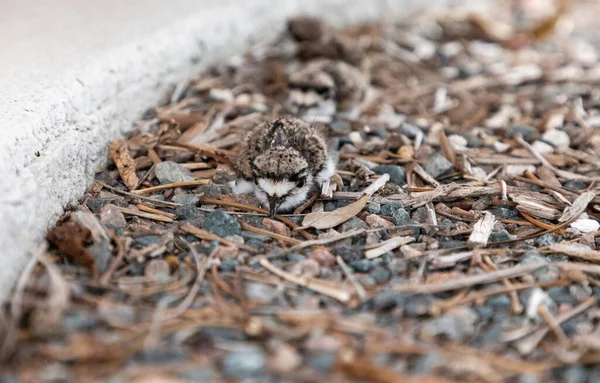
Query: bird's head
282,178
311,93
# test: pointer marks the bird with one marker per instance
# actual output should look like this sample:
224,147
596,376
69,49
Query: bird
282,161
325,88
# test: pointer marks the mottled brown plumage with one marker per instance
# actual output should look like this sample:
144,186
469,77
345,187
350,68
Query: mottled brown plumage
282,161
281,148
336,80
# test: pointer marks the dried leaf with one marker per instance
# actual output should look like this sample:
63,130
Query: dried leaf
71,240
329,219
126,165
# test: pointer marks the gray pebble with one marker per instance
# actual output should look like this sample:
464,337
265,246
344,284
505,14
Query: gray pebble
199,374
528,132
260,292
353,224
362,265
418,305
228,265
505,212
222,224
373,208
245,363
580,292
322,360
96,204
500,236
546,240
186,199
397,173
111,217
437,165
560,295
380,274
348,253
213,190
169,172
574,374
147,240
457,325
188,212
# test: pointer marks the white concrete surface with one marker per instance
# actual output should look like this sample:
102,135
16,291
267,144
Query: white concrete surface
75,74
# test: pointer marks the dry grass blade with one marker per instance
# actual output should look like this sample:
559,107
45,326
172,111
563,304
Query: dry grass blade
576,250
171,186
389,245
154,217
312,284
468,281
203,234
126,165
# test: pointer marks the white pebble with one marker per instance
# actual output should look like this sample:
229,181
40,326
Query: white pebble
586,225
543,147
458,142
518,170
558,138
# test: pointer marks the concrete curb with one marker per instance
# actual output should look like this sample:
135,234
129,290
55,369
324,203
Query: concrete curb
92,69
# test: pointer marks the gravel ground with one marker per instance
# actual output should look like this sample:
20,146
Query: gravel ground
461,246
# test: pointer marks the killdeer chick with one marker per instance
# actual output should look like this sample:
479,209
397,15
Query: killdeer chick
282,162
324,88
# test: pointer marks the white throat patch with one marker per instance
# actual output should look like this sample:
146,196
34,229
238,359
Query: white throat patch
276,188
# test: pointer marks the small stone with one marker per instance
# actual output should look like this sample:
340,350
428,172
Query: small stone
402,219
575,185
456,325
186,199
96,204
322,360
557,138
348,253
168,172
188,212
380,274
574,374
458,142
545,274
474,142
308,268
505,212
418,305
375,221
542,147
560,295
373,208
226,252
500,236
526,131
285,358
397,173
111,217
228,265
222,224
518,170
389,209
586,225
213,190
157,269
388,299
437,165
260,292
499,303
277,227
223,175
353,224
580,292
199,374
220,94
323,257
546,240
295,257
146,240
362,265
245,363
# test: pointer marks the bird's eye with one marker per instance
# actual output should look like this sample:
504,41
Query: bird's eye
300,182
323,91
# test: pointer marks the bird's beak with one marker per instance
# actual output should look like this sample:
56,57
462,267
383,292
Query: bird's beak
274,203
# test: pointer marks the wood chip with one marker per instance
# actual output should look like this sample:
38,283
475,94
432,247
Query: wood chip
119,152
